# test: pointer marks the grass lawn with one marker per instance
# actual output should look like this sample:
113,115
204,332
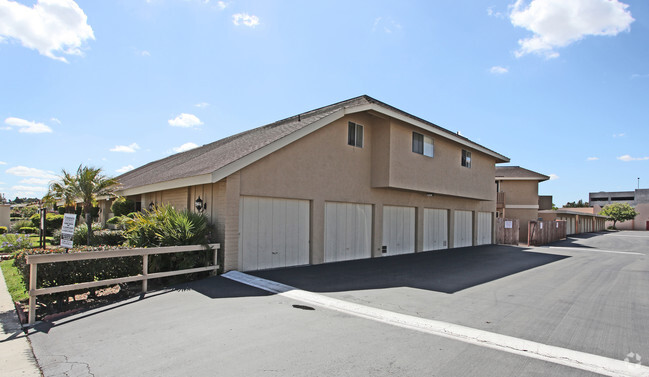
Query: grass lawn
35,240
14,281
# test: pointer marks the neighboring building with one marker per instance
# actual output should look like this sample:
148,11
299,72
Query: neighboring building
638,199
518,195
578,220
5,218
356,179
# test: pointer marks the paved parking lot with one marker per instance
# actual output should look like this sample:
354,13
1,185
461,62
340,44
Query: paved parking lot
588,294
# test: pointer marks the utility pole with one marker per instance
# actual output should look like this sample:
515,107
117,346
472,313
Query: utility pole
638,183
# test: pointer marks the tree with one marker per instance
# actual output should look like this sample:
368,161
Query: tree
579,204
61,191
619,212
85,186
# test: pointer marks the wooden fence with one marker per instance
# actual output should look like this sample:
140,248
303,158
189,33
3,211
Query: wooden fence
507,231
544,232
35,260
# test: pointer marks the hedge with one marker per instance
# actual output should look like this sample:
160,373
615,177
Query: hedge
53,221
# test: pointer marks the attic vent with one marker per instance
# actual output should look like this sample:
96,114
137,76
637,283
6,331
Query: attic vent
299,118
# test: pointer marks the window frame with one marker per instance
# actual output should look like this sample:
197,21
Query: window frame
355,134
466,158
420,142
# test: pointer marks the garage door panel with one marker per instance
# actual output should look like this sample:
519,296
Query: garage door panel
463,229
273,233
435,229
347,231
485,220
399,229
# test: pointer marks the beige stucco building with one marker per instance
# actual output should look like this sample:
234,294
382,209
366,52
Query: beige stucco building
356,179
518,195
638,199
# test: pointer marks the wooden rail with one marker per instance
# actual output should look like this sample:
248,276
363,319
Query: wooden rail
34,260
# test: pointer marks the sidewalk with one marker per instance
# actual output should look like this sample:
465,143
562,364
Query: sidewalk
16,356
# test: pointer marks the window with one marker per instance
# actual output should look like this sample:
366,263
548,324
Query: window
355,135
466,158
422,144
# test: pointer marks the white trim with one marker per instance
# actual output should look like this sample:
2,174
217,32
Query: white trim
522,206
445,134
504,343
499,178
168,185
274,146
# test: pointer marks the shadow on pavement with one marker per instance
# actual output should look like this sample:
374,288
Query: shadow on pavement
446,271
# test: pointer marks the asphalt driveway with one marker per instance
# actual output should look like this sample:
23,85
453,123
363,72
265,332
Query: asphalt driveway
589,294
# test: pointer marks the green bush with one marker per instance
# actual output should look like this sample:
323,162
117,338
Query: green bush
29,230
16,225
109,237
122,206
164,226
3,229
12,242
80,236
53,221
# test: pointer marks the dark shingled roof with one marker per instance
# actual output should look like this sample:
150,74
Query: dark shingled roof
519,173
214,156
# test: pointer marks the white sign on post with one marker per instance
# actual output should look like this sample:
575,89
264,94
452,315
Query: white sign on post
509,224
67,230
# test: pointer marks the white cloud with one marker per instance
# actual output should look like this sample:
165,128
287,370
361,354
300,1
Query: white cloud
184,147
246,19
124,169
52,27
592,159
23,171
553,177
640,76
498,70
26,126
126,148
29,188
3,163
559,23
492,13
185,120
619,135
627,158
55,120
145,53
221,5
387,25
202,104
36,181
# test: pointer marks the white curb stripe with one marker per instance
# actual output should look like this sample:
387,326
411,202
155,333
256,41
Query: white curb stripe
575,359
590,250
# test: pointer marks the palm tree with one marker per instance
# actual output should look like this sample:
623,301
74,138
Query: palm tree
61,191
90,183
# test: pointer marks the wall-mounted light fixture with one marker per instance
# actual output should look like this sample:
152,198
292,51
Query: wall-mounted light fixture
429,194
200,206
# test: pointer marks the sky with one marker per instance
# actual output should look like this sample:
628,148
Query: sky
561,87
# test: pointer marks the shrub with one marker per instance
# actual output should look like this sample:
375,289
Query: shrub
109,237
12,242
80,236
29,230
3,229
122,206
164,226
53,221
16,225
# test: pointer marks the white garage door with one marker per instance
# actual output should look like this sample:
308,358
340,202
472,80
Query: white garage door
484,228
348,231
398,230
463,229
435,229
273,233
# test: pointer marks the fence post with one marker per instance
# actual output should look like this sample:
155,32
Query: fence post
32,296
145,272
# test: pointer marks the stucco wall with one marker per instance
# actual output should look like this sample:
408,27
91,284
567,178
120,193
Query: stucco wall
521,192
5,220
